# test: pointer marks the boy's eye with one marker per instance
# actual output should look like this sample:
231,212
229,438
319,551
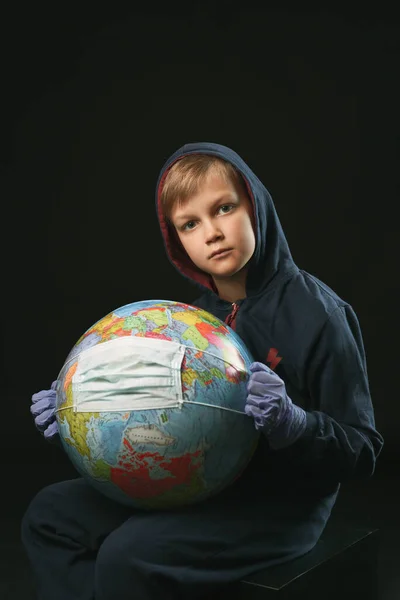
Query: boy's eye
224,208
227,206
187,225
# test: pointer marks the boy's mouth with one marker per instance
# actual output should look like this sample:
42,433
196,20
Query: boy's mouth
220,253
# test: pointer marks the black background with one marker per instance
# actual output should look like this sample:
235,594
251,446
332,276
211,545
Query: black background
97,99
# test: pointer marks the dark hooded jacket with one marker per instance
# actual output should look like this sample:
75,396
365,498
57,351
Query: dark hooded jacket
311,338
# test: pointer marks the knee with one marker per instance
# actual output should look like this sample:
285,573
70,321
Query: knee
114,556
125,551
39,508
128,562
113,569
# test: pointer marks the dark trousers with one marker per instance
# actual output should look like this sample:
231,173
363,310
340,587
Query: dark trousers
82,545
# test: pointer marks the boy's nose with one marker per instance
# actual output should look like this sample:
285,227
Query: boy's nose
212,232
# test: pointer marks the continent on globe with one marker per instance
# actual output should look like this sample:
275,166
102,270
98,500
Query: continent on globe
148,434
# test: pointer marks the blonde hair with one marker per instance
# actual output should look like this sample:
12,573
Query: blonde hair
187,175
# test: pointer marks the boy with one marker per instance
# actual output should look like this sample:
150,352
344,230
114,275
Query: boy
307,393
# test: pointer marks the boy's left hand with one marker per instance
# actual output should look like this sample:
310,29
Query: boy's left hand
281,421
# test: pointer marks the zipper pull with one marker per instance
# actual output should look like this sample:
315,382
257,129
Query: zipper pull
231,317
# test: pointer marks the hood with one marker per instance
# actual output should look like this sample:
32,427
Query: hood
271,259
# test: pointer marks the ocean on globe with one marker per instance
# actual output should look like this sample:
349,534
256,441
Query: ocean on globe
150,405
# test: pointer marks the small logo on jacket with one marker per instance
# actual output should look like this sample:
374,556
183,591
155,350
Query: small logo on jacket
273,359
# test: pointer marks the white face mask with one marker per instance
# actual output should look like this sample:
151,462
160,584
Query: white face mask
128,373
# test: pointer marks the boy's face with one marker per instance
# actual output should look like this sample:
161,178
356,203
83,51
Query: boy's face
219,217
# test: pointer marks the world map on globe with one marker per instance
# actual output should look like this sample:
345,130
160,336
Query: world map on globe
160,458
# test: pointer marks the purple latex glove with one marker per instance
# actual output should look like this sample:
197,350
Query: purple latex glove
281,421
43,408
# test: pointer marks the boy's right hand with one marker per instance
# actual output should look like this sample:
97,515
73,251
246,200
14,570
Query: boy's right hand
43,408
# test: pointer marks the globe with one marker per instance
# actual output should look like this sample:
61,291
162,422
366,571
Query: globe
150,405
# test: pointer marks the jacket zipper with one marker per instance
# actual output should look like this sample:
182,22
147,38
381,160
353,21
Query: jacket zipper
232,316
